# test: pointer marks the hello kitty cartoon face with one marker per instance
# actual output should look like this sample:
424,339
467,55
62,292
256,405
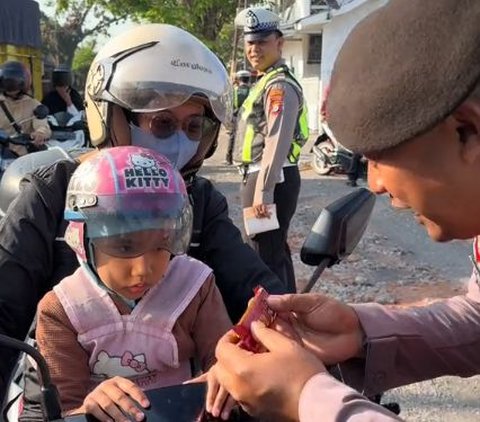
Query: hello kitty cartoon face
126,365
142,160
145,172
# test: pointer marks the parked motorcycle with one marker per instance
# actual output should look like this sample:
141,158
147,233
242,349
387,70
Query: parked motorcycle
333,237
329,156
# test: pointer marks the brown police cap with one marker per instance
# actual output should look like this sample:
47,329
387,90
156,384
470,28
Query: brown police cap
402,70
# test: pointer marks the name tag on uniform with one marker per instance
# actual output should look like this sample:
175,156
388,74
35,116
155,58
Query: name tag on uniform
254,225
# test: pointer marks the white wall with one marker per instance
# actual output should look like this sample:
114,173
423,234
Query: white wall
293,55
313,77
295,51
336,31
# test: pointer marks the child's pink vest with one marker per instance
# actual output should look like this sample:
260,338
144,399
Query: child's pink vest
139,346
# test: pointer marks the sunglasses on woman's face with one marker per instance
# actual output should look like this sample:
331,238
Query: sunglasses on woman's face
165,124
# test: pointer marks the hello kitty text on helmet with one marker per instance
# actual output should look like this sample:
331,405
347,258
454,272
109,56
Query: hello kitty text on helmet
121,193
151,68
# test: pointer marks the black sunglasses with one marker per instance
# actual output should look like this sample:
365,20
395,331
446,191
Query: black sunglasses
165,124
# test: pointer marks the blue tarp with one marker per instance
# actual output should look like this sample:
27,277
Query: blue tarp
20,23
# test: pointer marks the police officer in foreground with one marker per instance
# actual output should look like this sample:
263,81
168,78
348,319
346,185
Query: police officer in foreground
241,90
272,127
419,126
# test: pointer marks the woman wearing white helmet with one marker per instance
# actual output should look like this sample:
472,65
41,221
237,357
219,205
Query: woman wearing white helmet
155,86
134,97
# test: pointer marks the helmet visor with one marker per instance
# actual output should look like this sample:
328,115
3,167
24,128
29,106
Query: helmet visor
156,96
131,245
118,224
157,85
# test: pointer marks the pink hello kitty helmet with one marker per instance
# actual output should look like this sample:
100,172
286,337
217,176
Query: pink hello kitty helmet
126,201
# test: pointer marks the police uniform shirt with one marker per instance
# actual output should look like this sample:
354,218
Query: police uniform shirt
282,103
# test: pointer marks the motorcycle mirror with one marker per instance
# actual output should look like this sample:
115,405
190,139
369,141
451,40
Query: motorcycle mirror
41,111
338,229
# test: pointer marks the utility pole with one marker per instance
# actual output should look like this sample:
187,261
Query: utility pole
233,60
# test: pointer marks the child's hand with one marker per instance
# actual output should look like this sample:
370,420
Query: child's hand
112,401
219,402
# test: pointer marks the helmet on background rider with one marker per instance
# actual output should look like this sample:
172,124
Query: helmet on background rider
149,69
243,76
14,77
126,201
61,76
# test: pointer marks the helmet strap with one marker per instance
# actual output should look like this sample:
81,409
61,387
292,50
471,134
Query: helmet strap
91,269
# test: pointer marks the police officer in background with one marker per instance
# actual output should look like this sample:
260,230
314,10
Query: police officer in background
271,129
241,90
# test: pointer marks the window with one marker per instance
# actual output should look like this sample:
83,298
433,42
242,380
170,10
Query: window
314,49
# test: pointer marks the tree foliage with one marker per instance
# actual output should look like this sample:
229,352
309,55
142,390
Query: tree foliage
84,56
76,21
209,20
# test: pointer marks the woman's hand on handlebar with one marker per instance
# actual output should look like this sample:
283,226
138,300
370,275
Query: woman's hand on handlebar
328,328
113,399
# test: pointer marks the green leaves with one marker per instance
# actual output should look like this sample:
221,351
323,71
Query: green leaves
209,20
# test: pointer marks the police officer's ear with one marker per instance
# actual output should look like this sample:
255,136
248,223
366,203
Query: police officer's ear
467,119
280,41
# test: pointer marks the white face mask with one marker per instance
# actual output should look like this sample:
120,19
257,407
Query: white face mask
178,148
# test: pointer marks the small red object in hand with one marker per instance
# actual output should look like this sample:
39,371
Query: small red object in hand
257,310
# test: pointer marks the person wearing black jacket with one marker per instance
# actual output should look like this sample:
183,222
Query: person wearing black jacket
63,97
33,254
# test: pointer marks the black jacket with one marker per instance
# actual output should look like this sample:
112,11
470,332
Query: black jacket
55,103
34,257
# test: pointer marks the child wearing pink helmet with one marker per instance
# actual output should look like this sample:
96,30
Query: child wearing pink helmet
137,311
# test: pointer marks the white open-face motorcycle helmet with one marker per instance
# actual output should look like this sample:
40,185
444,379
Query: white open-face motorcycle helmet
151,68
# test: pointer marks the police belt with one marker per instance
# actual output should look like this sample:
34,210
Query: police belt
254,167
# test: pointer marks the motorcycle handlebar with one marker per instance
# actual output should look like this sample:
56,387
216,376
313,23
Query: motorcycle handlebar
20,139
50,400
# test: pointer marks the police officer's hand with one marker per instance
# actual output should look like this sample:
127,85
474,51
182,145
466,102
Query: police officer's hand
328,328
261,211
38,138
113,399
266,384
